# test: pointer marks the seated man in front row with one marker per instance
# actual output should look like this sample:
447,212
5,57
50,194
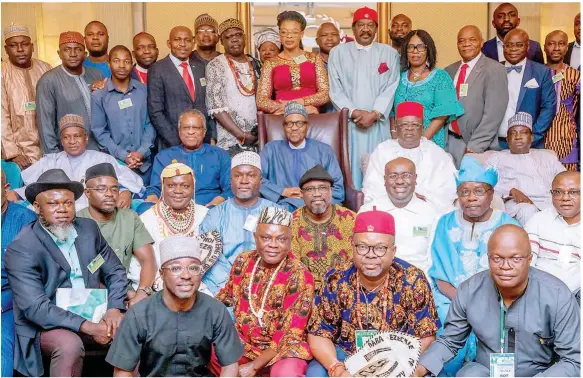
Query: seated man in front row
284,162
60,251
374,293
511,308
525,174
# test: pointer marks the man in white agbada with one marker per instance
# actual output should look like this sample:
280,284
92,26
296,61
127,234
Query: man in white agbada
414,218
435,169
524,174
76,159
364,76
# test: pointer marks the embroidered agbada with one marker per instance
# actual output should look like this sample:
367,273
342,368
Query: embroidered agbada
19,127
409,304
287,307
325,246
561,137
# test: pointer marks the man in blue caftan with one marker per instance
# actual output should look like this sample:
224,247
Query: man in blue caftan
364,76
236,218
211,165
284,162
460,243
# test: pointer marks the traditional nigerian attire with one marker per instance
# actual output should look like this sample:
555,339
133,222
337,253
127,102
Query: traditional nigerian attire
556,246
561,137
437,95
287,307
230,220
19,128
283,166
75,168
459,249
282,79
211,166
364,77
439,189
531,173
324,246
224,95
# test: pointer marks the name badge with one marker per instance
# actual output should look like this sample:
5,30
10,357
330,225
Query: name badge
250,223
502,365
203,81
464,90
558,77
95,264
420,231
29,106
362,336
300,59
125,103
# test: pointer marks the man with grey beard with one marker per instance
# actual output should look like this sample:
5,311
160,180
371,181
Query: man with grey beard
48,255
321,230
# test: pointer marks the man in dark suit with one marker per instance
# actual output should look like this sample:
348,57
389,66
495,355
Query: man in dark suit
530,89
505,19
175,84
482,88
48,255
573,57
146,54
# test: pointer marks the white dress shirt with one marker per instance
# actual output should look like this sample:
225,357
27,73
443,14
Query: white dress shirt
500,47
470,64
576,56
177,62
514,87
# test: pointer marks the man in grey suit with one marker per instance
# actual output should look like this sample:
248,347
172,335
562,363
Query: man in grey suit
482,88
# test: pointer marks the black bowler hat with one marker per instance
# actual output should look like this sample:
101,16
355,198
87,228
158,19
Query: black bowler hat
53,179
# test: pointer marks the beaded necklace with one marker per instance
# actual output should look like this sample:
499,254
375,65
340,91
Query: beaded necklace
358,291
242,89
177,223
259,315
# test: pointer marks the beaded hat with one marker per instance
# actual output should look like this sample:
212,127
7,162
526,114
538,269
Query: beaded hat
230,23
205,19
246,158
520,119
294,107
71,120
175,169
16,30
274,215
71,37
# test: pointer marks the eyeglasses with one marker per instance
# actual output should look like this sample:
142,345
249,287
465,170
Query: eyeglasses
512,261
406,176
558,193
104,189
410,126
379,250
295,124
518,45
177,270
207,31
420,47
313,189
478,192
286,34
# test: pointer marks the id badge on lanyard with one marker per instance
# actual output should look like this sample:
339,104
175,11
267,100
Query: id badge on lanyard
502,364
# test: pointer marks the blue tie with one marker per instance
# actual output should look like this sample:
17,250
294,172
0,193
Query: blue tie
518,69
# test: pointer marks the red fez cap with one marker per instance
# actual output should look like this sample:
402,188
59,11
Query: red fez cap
365,13
409,108
374,221
71,37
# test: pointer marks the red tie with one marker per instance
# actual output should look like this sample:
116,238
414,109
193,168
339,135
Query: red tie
187,79
460,80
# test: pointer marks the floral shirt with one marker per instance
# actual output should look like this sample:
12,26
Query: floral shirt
409,306
286,312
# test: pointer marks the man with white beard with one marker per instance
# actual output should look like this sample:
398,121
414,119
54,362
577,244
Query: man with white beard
321,231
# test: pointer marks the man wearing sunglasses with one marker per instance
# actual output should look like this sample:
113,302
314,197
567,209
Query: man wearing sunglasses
174,332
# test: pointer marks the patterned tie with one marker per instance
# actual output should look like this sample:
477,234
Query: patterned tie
460,80
187,79
514,68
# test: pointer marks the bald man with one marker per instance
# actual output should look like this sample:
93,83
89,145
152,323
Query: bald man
175,84
555,233
414,217
401,25
530,89
482,88
536,312
504,19
573,57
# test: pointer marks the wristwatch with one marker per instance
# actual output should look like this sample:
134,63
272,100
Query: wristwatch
146,289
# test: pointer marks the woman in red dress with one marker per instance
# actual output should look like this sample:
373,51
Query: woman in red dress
293,74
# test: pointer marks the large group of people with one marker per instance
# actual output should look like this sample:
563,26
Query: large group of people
223,252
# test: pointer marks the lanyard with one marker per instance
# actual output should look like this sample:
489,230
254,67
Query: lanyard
502,316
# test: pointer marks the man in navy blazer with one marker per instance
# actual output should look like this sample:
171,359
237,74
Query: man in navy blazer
530,89
58,251
505,19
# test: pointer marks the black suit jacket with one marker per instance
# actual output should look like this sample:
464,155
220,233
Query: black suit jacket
168,97
36,268
567,58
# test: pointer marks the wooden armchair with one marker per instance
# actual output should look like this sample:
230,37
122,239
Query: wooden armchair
329,128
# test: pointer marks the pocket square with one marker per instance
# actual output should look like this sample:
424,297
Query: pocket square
532,83
383,68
